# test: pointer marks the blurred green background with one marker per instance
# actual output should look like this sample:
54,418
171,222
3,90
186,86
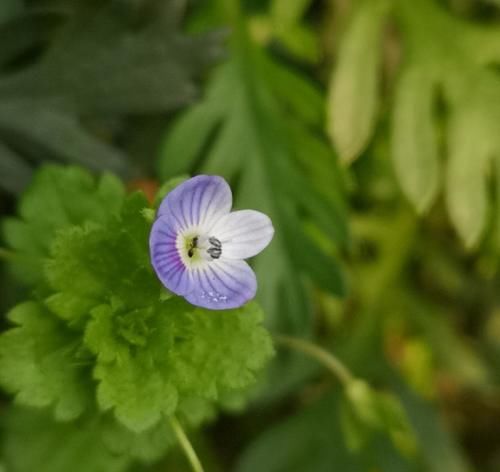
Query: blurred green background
369,130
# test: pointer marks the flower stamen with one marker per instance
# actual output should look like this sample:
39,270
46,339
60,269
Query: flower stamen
215,249
198,245
192,246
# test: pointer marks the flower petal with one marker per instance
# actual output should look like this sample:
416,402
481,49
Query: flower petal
166,260
201,200
243,233
222,285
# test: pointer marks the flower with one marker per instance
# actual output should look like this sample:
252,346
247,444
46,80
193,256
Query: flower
198,245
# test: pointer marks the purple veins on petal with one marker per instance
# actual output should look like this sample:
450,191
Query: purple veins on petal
197,246
223,285
199,200
166,259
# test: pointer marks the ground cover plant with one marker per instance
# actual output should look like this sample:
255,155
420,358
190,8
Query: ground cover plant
250,235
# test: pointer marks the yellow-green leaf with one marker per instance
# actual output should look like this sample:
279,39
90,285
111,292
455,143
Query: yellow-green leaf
470,146
353,95
414,140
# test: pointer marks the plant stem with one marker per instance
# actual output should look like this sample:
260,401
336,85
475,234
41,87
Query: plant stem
331,362
186,445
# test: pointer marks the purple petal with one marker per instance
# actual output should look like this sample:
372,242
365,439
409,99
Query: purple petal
222,285
243,233
201,200
166,260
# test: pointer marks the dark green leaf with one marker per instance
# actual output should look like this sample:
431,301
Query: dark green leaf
99,64
36,442
60,135
15,174
312,440
251,139
24,31
105,59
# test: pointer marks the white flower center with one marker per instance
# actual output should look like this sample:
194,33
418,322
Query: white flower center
195,248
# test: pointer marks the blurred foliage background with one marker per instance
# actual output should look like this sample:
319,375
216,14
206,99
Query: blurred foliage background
369,131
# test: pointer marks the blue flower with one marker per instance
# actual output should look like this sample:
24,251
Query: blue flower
198,245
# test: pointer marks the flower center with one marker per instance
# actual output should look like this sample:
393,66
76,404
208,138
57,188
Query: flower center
192,246
206,248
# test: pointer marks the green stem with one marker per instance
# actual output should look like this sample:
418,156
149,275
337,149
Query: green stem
186,445
332,363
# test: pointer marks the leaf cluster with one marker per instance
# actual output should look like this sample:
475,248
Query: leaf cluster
62,69
99,337
444,103
258,125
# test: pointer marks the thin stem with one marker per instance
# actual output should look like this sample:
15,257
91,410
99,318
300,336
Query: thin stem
186,445
332,363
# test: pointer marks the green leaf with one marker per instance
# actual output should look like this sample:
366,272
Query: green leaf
23,30
354,432
147,446
15,174
231,345
60,134
395,421
296,92
151,445
301,442
366,411
445,60
147,69
363,401
103,339
91,444
286,13
298,38
40,363
105,271
472,143
138,392
84,263
353,95
252,137
440,450
133,362
157,353
315,262
58,197
148,63
414,140
186,139
36,442
301,41
312,440
449,348
150,355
